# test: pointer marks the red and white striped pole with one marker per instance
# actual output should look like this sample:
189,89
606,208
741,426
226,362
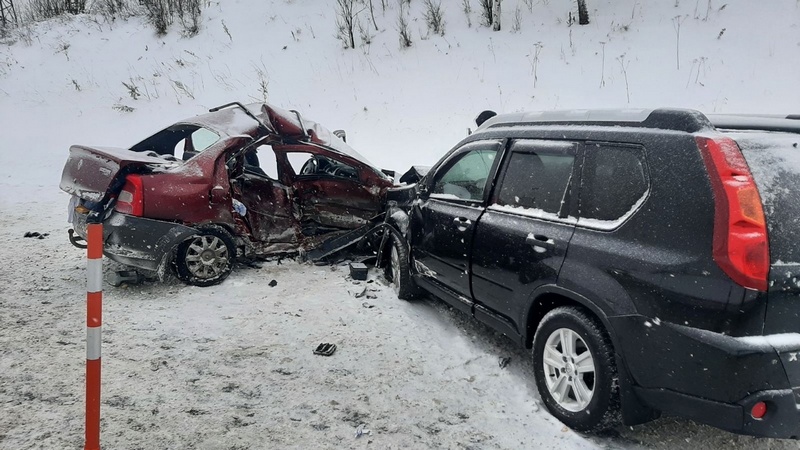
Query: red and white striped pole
94,321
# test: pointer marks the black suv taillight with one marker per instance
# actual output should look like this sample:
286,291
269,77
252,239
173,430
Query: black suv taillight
741,248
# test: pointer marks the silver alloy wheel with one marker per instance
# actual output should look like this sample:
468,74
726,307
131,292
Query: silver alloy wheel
569,370
207,256
395,262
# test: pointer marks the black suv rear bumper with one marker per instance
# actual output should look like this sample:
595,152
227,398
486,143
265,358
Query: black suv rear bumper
711,377
137,241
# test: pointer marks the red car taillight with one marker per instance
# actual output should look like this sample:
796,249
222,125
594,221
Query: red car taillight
131,198
741,248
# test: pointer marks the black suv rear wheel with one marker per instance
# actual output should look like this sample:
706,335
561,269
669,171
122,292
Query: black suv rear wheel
207,258
576,374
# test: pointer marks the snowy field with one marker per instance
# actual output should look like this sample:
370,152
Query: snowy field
230,367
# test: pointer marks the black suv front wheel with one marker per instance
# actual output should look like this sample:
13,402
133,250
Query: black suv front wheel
398,270
576,374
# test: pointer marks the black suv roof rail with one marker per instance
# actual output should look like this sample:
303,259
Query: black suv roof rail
686,120
789,124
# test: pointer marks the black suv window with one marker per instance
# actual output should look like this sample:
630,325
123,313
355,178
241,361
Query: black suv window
614,180
537,176
465,177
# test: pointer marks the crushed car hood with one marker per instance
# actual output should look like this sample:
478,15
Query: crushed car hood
287,124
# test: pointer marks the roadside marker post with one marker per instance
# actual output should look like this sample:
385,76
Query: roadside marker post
94,322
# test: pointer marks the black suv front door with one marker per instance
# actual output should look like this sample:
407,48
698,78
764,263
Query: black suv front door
442,238
521,240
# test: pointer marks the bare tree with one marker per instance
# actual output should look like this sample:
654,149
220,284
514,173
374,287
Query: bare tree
583,13
372,13
496,16
345,22
486,11
7,13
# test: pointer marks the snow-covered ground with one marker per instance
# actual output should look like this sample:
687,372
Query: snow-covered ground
231,366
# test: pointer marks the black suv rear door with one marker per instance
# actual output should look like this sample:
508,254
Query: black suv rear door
445,219
521,240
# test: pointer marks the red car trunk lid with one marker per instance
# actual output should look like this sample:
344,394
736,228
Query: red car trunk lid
90,172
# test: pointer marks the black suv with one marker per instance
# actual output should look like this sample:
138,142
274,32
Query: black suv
648,259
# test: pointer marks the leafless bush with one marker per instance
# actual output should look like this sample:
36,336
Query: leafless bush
433,16
537,49
402,27
466,6
162,13
529,4
38,10
516,24
133,90
345,22
188,11
487,12
112,8
624,67
179,87
227,31
123,108
364,33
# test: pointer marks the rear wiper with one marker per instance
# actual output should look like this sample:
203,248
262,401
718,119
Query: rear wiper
263,125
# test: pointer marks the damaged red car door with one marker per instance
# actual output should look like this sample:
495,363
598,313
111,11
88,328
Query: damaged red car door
268,211
332,189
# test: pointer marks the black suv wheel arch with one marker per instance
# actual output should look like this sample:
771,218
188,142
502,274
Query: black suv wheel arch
547,298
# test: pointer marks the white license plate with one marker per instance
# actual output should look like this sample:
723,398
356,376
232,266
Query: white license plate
73,203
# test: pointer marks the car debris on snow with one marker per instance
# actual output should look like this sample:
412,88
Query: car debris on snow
360,431
325,349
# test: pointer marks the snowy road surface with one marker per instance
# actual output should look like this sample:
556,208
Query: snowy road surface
231,366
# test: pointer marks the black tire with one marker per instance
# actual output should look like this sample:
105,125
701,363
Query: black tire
206,258
398,270
602,411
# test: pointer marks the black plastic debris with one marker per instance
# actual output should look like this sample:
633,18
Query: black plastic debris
325,349
358,271
273,283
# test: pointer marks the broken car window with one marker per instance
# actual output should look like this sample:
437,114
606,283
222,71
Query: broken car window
182,141
308,164
261,161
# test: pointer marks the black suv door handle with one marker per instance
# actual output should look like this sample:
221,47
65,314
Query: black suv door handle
461,223
540,243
